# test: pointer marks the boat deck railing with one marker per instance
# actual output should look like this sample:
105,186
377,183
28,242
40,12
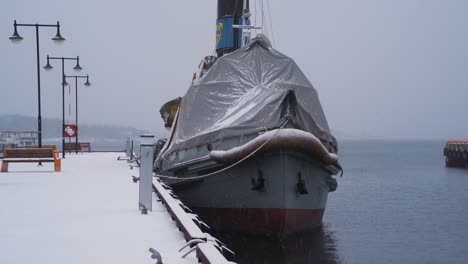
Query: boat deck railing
457,145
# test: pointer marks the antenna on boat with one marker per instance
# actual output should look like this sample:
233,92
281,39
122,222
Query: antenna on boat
246,27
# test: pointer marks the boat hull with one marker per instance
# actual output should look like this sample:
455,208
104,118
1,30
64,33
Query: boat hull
282,192
262,220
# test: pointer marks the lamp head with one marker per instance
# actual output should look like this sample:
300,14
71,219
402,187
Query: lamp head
87,83
48,67
77,68
58,39
15,38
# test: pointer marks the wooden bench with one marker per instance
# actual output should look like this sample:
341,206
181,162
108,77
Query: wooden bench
21,155
72,147
43,146
86,147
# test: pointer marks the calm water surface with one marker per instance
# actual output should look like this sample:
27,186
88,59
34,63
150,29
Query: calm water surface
396,203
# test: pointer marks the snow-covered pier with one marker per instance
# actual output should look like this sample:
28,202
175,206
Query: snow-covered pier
87,213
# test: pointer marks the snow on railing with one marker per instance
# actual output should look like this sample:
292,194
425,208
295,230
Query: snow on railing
209,250
130,156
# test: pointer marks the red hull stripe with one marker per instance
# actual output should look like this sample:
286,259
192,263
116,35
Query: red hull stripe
261,220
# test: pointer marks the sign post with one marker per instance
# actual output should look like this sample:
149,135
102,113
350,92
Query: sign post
70,131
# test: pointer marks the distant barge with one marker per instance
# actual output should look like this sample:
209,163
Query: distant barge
456,153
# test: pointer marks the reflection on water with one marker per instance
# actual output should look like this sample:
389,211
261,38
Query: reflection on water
304,248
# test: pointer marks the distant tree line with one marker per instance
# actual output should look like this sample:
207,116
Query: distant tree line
51,128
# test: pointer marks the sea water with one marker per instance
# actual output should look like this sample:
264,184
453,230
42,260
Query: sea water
396,203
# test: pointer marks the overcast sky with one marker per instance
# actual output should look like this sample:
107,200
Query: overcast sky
383,68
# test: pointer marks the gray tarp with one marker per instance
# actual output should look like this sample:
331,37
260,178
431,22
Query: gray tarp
243,93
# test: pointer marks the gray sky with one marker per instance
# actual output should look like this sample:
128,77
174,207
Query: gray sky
383,69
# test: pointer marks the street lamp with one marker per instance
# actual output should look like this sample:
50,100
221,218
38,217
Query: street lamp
87,84
77,68
16,39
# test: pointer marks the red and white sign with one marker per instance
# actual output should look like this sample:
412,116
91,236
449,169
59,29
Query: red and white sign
70,131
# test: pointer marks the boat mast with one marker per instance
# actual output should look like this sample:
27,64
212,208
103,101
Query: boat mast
246,27
245,22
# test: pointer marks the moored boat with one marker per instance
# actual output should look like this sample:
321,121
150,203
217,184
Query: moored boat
456,153
250,149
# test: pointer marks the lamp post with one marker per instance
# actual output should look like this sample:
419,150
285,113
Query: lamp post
58,39
77,68
87,84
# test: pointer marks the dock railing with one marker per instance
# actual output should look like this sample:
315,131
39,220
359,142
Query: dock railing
209,250
130,155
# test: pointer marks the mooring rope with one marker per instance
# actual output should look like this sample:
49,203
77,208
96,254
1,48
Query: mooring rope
230,166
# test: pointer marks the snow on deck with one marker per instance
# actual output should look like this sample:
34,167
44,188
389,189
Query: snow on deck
88,213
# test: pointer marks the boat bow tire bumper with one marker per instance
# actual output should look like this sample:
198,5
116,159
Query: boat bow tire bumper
287,138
